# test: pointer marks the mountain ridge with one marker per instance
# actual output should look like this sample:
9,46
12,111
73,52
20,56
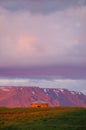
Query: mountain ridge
23,96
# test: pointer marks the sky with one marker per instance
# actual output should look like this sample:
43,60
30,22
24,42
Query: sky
40,38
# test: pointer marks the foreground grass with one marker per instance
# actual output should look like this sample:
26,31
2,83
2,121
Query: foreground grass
57,118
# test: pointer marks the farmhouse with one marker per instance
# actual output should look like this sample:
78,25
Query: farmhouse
40,104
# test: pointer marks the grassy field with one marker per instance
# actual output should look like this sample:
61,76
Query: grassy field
57,118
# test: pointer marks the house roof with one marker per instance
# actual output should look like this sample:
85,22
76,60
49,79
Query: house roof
39,101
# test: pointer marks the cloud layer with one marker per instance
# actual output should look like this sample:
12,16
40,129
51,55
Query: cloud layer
41,6
73,85
28,39
43,37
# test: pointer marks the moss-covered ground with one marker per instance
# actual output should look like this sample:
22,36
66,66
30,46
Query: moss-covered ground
57,118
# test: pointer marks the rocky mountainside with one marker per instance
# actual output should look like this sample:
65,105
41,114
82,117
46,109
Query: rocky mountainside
24,96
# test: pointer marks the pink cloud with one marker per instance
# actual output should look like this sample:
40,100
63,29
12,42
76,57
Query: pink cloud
29,40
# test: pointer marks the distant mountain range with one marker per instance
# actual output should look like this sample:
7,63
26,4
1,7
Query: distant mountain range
24,96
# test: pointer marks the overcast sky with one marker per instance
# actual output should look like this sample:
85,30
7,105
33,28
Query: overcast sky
43,37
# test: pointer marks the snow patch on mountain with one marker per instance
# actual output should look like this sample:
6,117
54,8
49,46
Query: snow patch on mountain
45,90
33,92
4,89
75,93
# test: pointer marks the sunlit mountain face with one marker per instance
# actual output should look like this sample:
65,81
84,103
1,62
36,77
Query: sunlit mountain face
25,96
43,43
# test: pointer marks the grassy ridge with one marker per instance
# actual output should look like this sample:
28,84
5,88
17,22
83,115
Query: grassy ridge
57,118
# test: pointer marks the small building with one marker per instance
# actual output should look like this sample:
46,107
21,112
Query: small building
40,104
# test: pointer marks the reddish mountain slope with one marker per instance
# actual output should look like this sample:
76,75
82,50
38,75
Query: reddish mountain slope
24,96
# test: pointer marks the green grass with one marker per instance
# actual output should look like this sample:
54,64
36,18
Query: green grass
57,118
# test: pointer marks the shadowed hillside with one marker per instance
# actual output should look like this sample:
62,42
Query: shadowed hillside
57,118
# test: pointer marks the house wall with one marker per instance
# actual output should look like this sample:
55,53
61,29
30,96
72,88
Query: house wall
39,105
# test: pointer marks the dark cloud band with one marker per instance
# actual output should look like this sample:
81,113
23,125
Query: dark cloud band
41,6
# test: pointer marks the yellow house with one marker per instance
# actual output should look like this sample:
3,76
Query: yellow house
40,104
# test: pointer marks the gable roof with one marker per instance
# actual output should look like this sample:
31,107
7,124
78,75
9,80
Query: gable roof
39,102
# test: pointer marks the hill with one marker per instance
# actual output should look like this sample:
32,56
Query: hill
24,96
57,118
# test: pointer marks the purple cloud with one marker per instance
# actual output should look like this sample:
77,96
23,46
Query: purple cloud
29,39
41,6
